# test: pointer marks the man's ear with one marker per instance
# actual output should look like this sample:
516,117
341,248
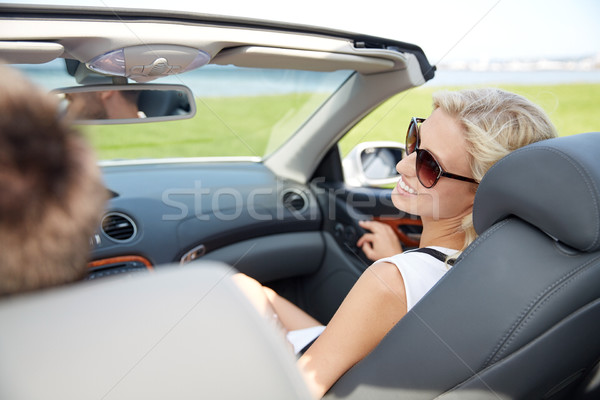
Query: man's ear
107,94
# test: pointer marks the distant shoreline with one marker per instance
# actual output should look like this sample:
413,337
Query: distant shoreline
201,83
445,77
588,63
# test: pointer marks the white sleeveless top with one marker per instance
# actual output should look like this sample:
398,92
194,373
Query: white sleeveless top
420,272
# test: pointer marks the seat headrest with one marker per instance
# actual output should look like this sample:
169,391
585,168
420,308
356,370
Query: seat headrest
553,184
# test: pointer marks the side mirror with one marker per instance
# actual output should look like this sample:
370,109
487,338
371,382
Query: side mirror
126,104
373,164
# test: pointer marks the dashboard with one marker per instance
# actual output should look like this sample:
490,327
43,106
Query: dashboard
165,213
298,239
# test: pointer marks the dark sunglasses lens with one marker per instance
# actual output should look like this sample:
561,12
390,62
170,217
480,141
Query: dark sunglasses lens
411,137
428,170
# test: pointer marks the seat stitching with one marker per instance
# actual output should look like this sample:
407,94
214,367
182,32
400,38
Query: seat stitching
482,237
561,286
477,376
530,311
583,172
591,185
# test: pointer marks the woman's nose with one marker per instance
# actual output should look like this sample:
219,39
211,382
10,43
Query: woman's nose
406,165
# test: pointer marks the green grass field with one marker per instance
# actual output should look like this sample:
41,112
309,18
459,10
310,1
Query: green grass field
239,126
244,126
572,109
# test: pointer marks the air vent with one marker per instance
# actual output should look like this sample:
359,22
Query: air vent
118,226
295,200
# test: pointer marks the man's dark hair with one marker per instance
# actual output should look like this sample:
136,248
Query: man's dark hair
52,193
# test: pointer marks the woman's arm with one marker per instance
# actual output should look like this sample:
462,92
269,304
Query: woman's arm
373,306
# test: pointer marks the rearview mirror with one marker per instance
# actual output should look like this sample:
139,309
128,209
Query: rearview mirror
373,164
126,104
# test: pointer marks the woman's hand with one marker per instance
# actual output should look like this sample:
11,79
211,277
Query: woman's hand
380,243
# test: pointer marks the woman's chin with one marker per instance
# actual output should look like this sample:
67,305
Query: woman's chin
404,201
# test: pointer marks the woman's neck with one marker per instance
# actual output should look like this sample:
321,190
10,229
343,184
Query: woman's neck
445,232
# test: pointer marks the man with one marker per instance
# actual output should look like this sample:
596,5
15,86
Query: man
105,104
51,191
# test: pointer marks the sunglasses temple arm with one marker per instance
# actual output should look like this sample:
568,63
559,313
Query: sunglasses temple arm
458,177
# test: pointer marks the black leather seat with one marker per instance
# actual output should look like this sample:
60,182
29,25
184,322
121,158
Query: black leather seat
518,316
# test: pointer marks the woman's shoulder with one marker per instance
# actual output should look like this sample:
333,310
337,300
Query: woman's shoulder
419,270
433,260
428,253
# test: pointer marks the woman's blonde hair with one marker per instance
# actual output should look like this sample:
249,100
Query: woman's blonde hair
495,122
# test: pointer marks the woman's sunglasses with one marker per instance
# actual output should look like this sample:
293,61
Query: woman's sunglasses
429,170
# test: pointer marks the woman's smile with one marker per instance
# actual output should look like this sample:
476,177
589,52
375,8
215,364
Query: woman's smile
403,188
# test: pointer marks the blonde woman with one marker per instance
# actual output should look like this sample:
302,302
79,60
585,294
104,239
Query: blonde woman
447,155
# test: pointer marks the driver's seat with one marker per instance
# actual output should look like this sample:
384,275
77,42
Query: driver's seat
518,316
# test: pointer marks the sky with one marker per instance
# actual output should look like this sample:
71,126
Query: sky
457,30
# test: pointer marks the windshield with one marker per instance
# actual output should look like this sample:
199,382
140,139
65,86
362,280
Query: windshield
241,112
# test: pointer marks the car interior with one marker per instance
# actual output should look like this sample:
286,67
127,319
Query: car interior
294,199
517,316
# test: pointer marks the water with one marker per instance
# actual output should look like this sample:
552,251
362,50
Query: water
464,78
213,80
207,81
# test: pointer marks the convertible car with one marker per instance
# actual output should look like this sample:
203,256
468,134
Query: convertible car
230,161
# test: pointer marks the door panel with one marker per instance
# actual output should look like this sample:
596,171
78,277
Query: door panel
408,230
343,206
